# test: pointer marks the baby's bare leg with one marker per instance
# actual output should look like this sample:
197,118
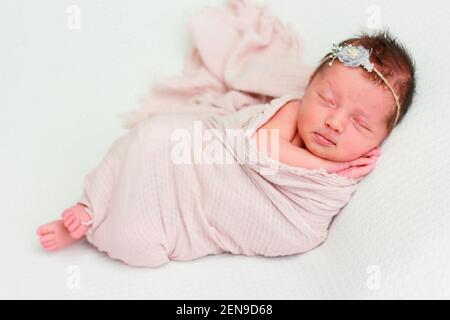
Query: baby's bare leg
59,234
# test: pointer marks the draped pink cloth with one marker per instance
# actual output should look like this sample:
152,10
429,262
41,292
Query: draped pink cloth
149,209
240,55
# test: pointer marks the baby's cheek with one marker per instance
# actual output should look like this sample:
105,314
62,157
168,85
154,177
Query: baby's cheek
353,150
349,150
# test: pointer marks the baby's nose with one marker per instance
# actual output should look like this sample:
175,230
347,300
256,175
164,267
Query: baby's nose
334,123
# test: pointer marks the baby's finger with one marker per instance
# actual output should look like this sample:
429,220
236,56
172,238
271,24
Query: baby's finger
361,162
361,171
338,166
344,172
374,152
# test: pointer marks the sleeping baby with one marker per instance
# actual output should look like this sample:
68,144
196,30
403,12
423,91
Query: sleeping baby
269,183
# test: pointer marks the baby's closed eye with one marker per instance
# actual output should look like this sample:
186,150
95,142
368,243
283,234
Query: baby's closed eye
330,102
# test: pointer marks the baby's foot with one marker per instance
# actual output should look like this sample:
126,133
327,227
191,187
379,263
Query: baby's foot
77,221
54,236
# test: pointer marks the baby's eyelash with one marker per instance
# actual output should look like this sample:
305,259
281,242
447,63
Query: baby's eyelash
361,125
325,100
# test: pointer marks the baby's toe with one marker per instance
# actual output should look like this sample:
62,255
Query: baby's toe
48,237
68,220
45,229
52,247
49,244
48,240
74,225
66,213
78,233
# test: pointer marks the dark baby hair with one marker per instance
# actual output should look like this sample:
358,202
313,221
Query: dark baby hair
393,60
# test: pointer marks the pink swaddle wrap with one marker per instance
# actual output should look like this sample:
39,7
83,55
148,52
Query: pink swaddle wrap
147,209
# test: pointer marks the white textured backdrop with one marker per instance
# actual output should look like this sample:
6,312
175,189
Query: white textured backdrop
61,90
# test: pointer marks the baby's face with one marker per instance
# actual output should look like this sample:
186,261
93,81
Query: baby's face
346,107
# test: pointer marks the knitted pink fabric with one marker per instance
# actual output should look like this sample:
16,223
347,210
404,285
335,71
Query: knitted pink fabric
148,210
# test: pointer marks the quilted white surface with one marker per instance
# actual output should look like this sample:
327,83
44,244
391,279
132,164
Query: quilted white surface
61,91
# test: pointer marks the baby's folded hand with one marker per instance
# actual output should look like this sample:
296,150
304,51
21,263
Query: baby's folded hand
374,152
362,166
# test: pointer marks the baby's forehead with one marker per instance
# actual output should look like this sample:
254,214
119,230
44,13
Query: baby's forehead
352,87
354,82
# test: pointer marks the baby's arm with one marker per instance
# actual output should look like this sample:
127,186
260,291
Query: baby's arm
299,157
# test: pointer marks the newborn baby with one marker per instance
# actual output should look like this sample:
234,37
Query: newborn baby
142,207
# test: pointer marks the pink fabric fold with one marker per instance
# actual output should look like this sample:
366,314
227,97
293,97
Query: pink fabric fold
147,209
240,55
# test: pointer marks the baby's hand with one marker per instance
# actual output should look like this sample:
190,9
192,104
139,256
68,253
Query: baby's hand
362,166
